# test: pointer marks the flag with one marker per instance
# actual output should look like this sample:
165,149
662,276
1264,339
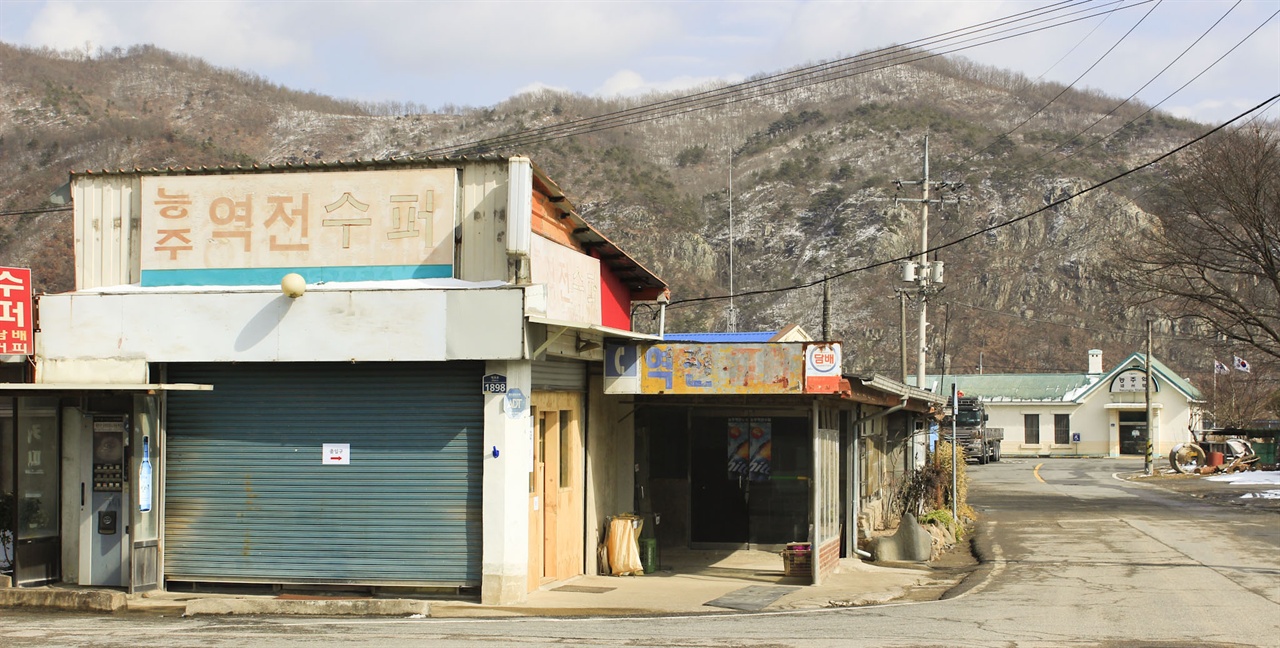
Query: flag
1242,364
1220,368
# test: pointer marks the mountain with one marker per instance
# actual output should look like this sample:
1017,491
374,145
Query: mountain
813,192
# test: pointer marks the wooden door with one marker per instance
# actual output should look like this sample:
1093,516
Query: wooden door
556,489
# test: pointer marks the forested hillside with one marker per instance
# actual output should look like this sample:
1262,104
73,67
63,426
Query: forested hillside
813,192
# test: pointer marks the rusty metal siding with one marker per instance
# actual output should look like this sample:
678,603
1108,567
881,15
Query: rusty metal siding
560,375
107,233
482,255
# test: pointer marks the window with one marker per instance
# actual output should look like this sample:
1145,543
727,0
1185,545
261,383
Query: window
1031,428
567,458
536,450
1062,429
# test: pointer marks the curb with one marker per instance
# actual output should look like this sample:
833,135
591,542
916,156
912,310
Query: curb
278,607
61,599
980,546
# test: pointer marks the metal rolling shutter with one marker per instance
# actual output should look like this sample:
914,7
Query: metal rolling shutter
560,375
249,500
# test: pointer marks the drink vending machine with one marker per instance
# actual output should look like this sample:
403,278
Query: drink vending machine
109,504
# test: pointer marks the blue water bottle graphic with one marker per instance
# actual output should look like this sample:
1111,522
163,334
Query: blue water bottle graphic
144,478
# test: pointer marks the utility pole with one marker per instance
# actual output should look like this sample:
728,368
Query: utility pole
1150,431
826,309
733,313
926,276
902,346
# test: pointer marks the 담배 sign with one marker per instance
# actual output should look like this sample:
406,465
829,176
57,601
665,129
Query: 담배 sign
15,311
336,454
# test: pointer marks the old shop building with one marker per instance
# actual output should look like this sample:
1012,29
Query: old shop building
762,444
376,424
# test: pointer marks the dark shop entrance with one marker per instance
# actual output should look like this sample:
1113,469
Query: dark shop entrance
725,479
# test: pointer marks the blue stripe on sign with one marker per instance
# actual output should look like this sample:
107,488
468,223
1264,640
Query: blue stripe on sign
272,276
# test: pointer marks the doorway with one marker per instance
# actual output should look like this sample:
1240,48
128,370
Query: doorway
556,501
760,500
1133,432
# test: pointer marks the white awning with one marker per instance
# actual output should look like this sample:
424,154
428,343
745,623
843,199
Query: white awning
607,331
68,387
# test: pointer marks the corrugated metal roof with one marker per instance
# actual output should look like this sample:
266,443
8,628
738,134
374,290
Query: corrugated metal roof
1054,387
1161,371
1020,387
338,165
754,336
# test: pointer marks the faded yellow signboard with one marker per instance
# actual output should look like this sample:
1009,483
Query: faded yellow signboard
686,368
244,229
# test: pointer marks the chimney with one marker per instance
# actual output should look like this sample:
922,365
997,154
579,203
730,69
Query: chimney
1095,361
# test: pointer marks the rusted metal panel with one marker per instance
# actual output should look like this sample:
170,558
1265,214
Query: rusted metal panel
105,222
482,254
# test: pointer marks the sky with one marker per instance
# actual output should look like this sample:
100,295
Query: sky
477,53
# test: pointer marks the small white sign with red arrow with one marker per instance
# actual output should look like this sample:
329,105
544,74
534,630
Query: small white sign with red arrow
336,454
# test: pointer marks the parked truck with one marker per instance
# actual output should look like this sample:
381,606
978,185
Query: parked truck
980,443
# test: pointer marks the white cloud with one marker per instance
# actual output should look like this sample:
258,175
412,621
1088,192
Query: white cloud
70,25
480,35
235,34
628,83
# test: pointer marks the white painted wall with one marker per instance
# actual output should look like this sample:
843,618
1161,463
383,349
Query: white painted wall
266,326
1096,420
504,562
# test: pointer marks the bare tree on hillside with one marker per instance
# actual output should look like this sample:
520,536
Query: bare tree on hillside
1214,254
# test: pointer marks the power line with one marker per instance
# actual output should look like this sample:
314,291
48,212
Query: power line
1123,332
785,82
989,228
1149,110
41,210
1068,87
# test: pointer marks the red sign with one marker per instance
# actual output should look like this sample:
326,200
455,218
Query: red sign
15,311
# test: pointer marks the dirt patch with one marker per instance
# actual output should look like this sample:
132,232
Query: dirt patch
1263,497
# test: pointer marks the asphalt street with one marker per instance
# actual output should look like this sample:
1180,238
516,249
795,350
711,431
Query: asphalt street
1076,555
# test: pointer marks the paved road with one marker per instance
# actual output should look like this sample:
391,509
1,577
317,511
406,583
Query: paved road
1078,558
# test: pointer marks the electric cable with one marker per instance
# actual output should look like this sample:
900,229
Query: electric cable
677,102
40,210
1067,87
1152,108
990,228
784,82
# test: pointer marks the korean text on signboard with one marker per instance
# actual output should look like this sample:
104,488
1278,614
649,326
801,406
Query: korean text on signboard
1133,380
721,369
385,224
15,311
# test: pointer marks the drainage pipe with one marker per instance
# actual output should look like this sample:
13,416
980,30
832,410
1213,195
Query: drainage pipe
857,480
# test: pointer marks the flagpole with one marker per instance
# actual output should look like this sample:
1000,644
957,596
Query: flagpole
1215,394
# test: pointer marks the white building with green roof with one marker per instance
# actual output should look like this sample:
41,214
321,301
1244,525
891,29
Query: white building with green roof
1095,413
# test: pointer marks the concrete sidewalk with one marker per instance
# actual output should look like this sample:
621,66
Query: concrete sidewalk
690,582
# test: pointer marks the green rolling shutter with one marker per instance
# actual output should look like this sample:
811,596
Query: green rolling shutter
248,498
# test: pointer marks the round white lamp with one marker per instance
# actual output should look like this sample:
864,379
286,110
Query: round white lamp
293,285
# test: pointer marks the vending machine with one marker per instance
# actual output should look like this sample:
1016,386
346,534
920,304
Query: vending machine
109,502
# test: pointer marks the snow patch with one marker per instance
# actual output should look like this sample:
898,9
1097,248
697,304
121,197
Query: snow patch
1248,478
